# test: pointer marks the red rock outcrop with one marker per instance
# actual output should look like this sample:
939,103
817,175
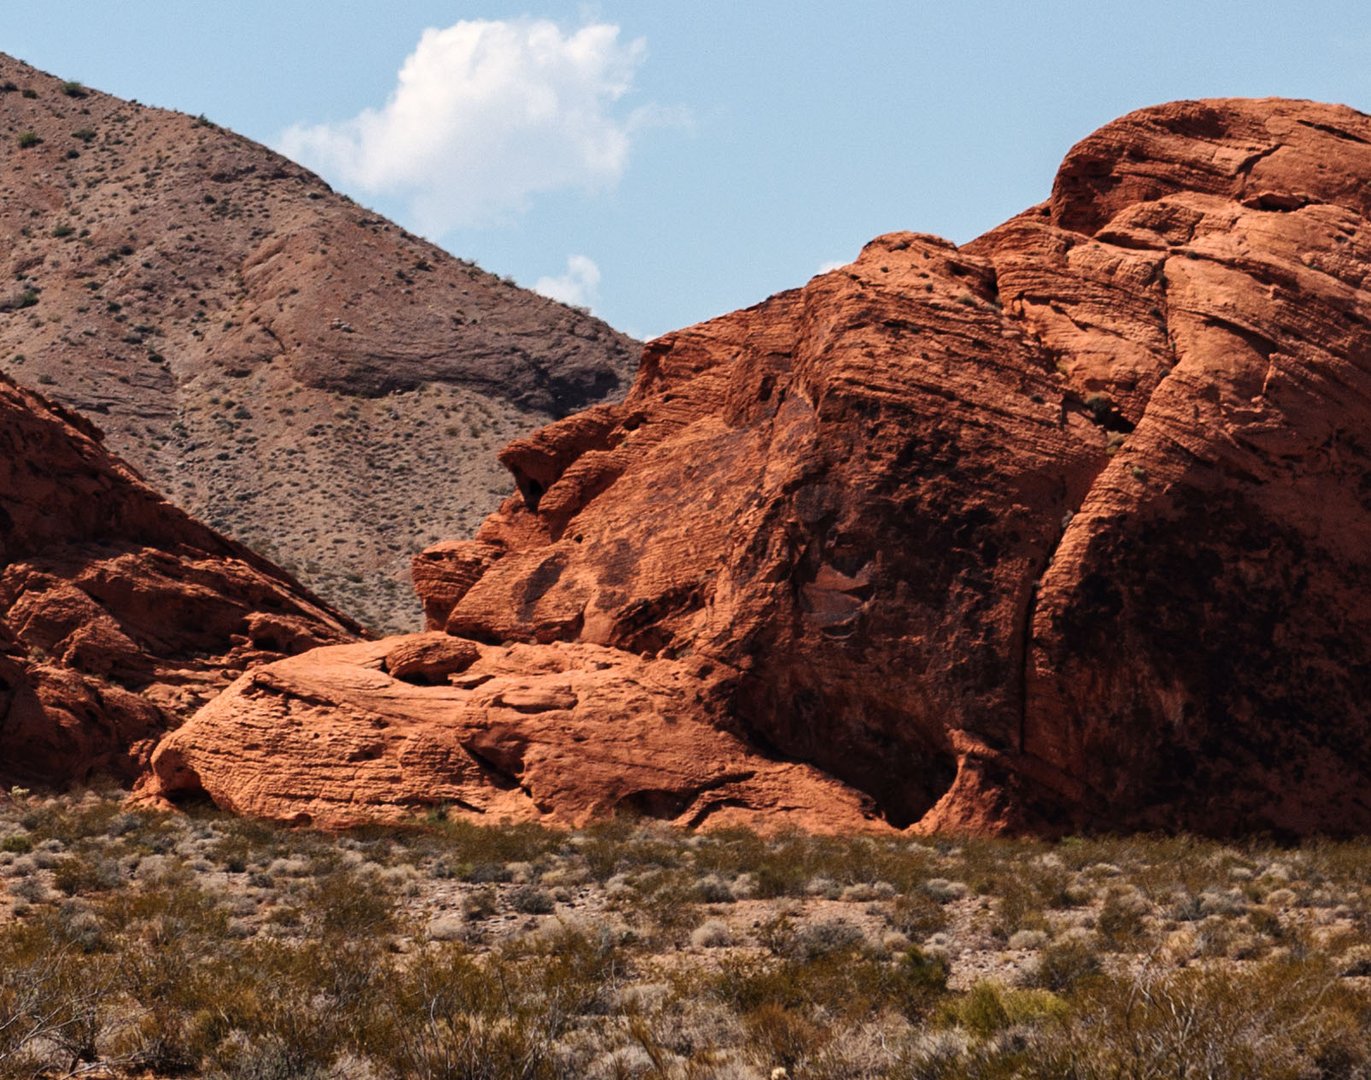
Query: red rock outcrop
1069,527
564,733
119,614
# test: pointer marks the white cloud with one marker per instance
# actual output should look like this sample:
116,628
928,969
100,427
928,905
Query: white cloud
835,264
485,115
579,286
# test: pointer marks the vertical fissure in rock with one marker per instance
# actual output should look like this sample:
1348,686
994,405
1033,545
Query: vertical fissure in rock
1024,634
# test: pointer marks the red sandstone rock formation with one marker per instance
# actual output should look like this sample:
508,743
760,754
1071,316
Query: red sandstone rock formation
1069,527
563,732
119,615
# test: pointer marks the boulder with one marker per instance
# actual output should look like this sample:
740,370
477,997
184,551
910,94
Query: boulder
562,734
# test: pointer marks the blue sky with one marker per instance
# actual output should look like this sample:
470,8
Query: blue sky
672,161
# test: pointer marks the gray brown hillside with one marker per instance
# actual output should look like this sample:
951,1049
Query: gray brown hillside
285,365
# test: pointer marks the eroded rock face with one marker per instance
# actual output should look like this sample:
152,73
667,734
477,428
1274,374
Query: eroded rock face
1069,527
119,615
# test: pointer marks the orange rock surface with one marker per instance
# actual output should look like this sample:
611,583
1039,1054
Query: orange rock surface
564,732
119,615
1066,528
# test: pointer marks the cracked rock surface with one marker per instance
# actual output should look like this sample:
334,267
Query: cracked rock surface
1068,527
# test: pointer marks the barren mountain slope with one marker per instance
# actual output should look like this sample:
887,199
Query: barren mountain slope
1068,527
119,614
285,365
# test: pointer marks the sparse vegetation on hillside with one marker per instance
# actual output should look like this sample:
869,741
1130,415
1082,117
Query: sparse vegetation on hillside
211,946
346,345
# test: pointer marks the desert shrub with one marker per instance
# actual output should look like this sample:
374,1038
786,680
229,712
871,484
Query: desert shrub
711,934
814,940
784,865
269,1056
989,1008
1215,936
346,904
169,996
481,904
1266,922
712,889
1063,965
665,903
71,823
1276,1021
77,875
844,984
1121,920
917,914
919,982
579,966
446,1016
467,843
29,889
783,1037
51,999
178,970
145,968
531,900
28,139
79,927
1223,902
625,846
78,990
777,878
483,873
777,933
944,891
463,1045
297,1009
1019,906
823,887
1185,907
